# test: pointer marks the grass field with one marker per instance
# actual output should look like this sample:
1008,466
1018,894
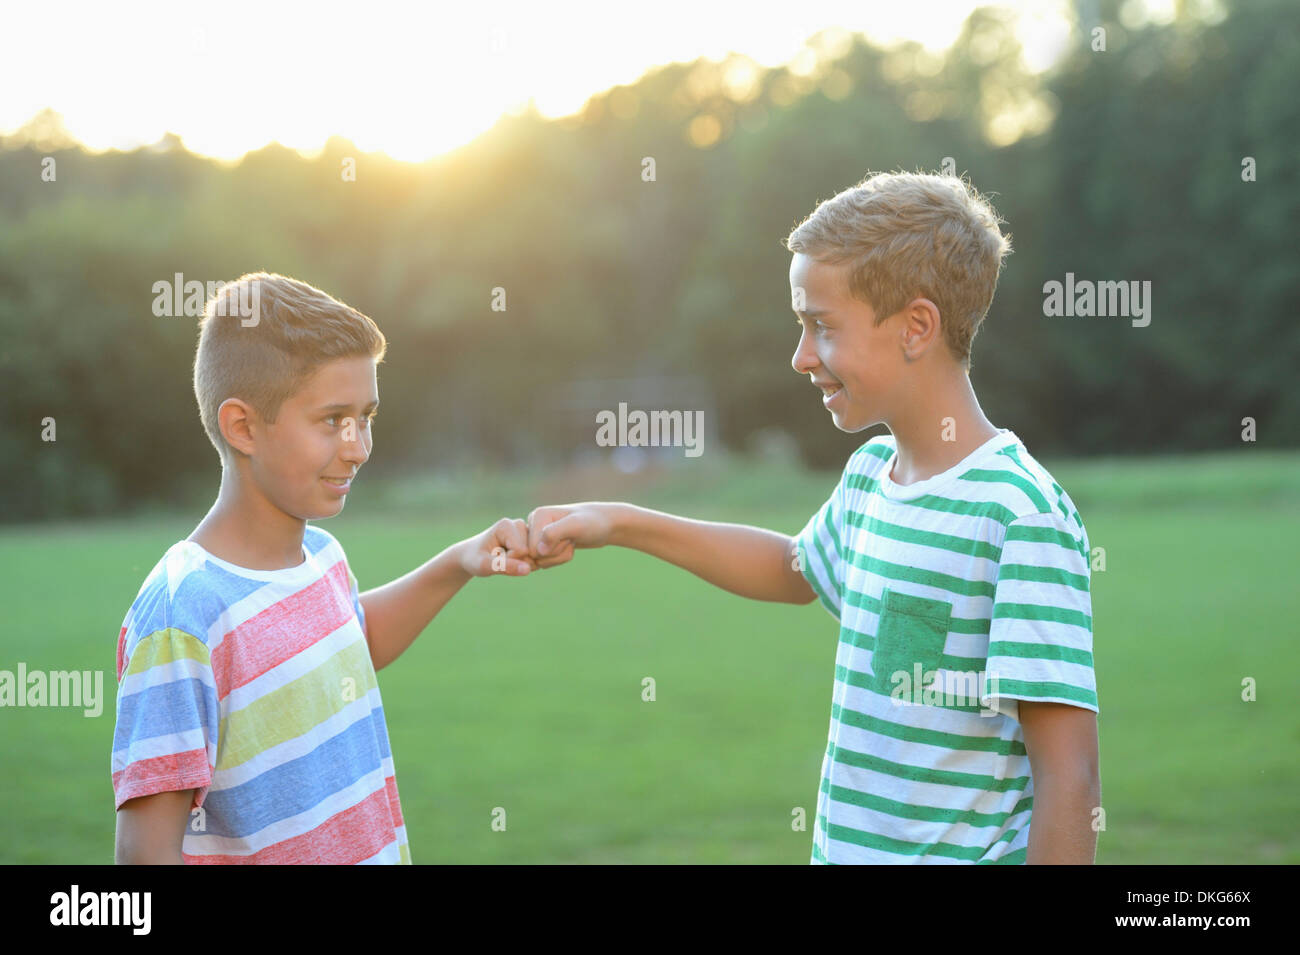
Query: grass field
526,694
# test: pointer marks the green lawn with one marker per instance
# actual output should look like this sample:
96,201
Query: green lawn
526,694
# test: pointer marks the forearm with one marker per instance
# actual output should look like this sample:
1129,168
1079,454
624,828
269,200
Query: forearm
398,612
749,561
1061,829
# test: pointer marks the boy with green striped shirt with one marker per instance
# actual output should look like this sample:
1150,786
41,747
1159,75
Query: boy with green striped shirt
964,709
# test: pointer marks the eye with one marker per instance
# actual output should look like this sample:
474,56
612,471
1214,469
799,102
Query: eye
366,420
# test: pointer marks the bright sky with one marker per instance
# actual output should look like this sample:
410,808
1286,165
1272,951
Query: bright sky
412,79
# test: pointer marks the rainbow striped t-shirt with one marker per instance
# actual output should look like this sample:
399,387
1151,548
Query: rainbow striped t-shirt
256,689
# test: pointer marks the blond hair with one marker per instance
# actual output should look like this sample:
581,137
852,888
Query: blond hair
906,235
263,357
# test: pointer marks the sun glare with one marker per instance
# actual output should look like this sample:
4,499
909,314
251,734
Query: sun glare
411,81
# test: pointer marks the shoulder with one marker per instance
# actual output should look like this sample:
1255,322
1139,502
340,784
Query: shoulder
1036,499
315,537
318,539
863,470
176,606
323,546
869,459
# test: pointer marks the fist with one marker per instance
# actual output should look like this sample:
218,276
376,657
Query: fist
555,532
501,549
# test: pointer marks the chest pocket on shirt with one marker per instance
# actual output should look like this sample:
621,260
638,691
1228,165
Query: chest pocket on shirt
911,630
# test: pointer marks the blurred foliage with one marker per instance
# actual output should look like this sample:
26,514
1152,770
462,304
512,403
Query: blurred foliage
1116,165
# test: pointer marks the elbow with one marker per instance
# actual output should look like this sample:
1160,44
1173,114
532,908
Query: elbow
803,592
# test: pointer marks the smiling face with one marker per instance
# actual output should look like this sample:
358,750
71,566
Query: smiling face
304,461
856,364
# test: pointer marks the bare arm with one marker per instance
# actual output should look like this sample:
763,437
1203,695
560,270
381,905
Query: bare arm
398,612
749,561
1062,744
150,829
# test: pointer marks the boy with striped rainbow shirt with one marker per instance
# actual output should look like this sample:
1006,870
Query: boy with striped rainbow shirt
250,727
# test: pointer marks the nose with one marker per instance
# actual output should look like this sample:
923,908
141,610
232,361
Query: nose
805,356
357,451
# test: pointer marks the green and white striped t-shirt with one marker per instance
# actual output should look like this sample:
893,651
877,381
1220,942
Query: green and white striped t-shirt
957,596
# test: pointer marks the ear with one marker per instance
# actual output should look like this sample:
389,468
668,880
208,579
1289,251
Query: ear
922,327
236,419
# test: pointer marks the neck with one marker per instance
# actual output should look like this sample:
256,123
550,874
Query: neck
942,424
246,529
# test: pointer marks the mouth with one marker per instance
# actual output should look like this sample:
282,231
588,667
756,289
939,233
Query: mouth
829,391
341,485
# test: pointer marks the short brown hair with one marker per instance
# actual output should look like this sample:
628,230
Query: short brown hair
266,357
913,234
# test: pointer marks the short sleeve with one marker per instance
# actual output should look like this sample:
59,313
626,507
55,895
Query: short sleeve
1040,633
821,551
354,590
167,718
